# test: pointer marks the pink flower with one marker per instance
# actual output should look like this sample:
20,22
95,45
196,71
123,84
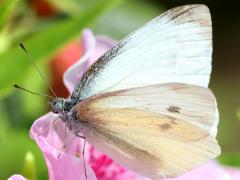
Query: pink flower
62,162
210,171
17,177
63,154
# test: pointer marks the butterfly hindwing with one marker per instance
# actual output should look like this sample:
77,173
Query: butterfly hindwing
166,126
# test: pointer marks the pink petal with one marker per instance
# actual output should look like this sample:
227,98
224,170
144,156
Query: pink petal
103,44
73,73
106,168
234,173
209,171
93,48
17,177
62,163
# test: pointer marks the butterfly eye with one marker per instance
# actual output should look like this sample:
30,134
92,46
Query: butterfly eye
54,102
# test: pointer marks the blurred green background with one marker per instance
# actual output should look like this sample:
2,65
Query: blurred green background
47,26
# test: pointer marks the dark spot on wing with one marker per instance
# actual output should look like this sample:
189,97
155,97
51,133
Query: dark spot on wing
165,126
174,109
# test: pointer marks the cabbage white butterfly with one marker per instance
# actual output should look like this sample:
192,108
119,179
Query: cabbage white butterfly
145,102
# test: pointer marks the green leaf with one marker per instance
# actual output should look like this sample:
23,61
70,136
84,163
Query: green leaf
6,10
13,63
230,159
14,144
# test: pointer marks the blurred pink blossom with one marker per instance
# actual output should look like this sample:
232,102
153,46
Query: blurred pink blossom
66,162
210,171
17,177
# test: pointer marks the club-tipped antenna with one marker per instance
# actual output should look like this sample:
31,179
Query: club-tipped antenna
32,92
42,76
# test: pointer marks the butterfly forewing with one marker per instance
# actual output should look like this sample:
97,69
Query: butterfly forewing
166,126
174,47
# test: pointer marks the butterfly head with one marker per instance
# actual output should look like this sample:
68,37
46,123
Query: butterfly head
61,105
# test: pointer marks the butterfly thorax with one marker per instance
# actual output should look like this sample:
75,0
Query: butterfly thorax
61,105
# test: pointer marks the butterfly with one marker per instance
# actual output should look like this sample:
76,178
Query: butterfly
145,102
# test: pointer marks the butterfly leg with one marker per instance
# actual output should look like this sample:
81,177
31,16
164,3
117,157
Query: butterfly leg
83,153
66,142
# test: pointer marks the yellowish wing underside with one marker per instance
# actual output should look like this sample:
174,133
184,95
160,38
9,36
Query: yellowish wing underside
158,131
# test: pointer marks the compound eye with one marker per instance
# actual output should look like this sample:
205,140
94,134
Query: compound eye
54,102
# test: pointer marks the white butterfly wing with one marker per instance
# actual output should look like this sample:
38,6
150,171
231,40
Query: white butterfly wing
159,130
174,47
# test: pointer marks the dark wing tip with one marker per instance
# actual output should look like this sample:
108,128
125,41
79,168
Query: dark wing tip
193,13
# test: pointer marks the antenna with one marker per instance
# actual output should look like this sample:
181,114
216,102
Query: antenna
35,93
42,76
